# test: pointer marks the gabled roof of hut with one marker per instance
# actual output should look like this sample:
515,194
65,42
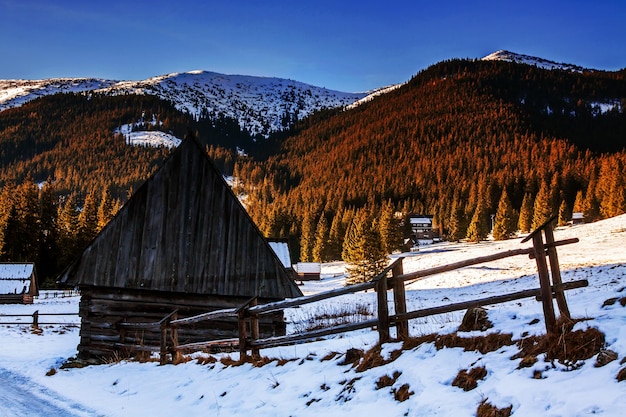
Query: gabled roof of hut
183,231
18,278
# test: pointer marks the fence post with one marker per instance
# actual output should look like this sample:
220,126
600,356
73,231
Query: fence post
399,299
254,330
383,310
163,351
35,324
241,324
544,282
176,355
555,270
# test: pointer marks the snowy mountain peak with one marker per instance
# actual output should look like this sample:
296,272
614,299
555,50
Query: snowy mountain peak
508,56
261,105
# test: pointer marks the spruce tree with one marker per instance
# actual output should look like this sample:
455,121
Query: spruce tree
505,224
478,228
307,237
363,251
88,220
389,229
565,214
320,249
456,229
543,208
335,238
526,214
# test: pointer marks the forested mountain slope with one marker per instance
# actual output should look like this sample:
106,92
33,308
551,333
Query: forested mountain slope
448,143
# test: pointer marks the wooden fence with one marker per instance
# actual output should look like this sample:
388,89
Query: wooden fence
392,278
35,323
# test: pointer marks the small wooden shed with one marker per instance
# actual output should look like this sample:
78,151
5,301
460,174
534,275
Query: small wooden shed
182,242
18,283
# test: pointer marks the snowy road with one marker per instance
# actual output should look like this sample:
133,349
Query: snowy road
20,397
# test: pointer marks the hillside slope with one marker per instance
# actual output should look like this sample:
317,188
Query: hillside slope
457,134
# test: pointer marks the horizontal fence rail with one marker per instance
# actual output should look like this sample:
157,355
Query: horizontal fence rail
35,322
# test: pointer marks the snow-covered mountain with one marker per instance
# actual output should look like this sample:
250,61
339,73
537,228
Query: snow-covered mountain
260,104
531,60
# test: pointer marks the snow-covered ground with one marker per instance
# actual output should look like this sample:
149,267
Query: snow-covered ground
305,382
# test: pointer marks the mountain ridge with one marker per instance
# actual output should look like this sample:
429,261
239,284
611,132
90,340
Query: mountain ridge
261,105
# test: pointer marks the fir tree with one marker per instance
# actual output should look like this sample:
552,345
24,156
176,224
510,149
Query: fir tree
565,214
456,229
88,220
320,250
363,251
389,229
526,214
543,208
336,236
307,237
505,224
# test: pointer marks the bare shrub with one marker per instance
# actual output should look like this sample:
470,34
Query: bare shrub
467,381
483,344
403,393
487,410
387,381
372,359
567,347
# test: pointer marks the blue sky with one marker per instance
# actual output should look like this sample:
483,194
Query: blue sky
343,45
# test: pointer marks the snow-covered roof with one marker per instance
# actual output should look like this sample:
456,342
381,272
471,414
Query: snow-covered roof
281,249
308,267
421,220
15,278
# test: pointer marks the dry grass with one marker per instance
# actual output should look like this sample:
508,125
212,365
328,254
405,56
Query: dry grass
372,359
387,381
621,375
205,360
567,347
467,381
403,393
483,344
487,410
51,372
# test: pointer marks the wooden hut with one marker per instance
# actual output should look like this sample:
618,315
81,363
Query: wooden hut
182,242
18,283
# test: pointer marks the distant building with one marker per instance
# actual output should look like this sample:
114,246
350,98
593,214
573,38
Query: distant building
421,226
578,218
18,283
308,271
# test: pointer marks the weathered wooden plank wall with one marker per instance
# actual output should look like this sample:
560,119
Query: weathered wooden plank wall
101,312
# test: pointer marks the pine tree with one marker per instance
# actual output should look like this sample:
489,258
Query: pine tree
526,214
505,224
88,220
565,214
478,229
307,237
543,208
335,238
456,229
389,229
105,209
320,250
67,230
363,251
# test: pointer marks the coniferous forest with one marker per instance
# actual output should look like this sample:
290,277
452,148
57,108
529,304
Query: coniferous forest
462,140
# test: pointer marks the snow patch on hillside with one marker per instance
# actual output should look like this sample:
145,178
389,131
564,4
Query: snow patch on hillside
508,56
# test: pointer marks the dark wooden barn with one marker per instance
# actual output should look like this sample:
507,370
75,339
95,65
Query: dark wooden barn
182,242
18,283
